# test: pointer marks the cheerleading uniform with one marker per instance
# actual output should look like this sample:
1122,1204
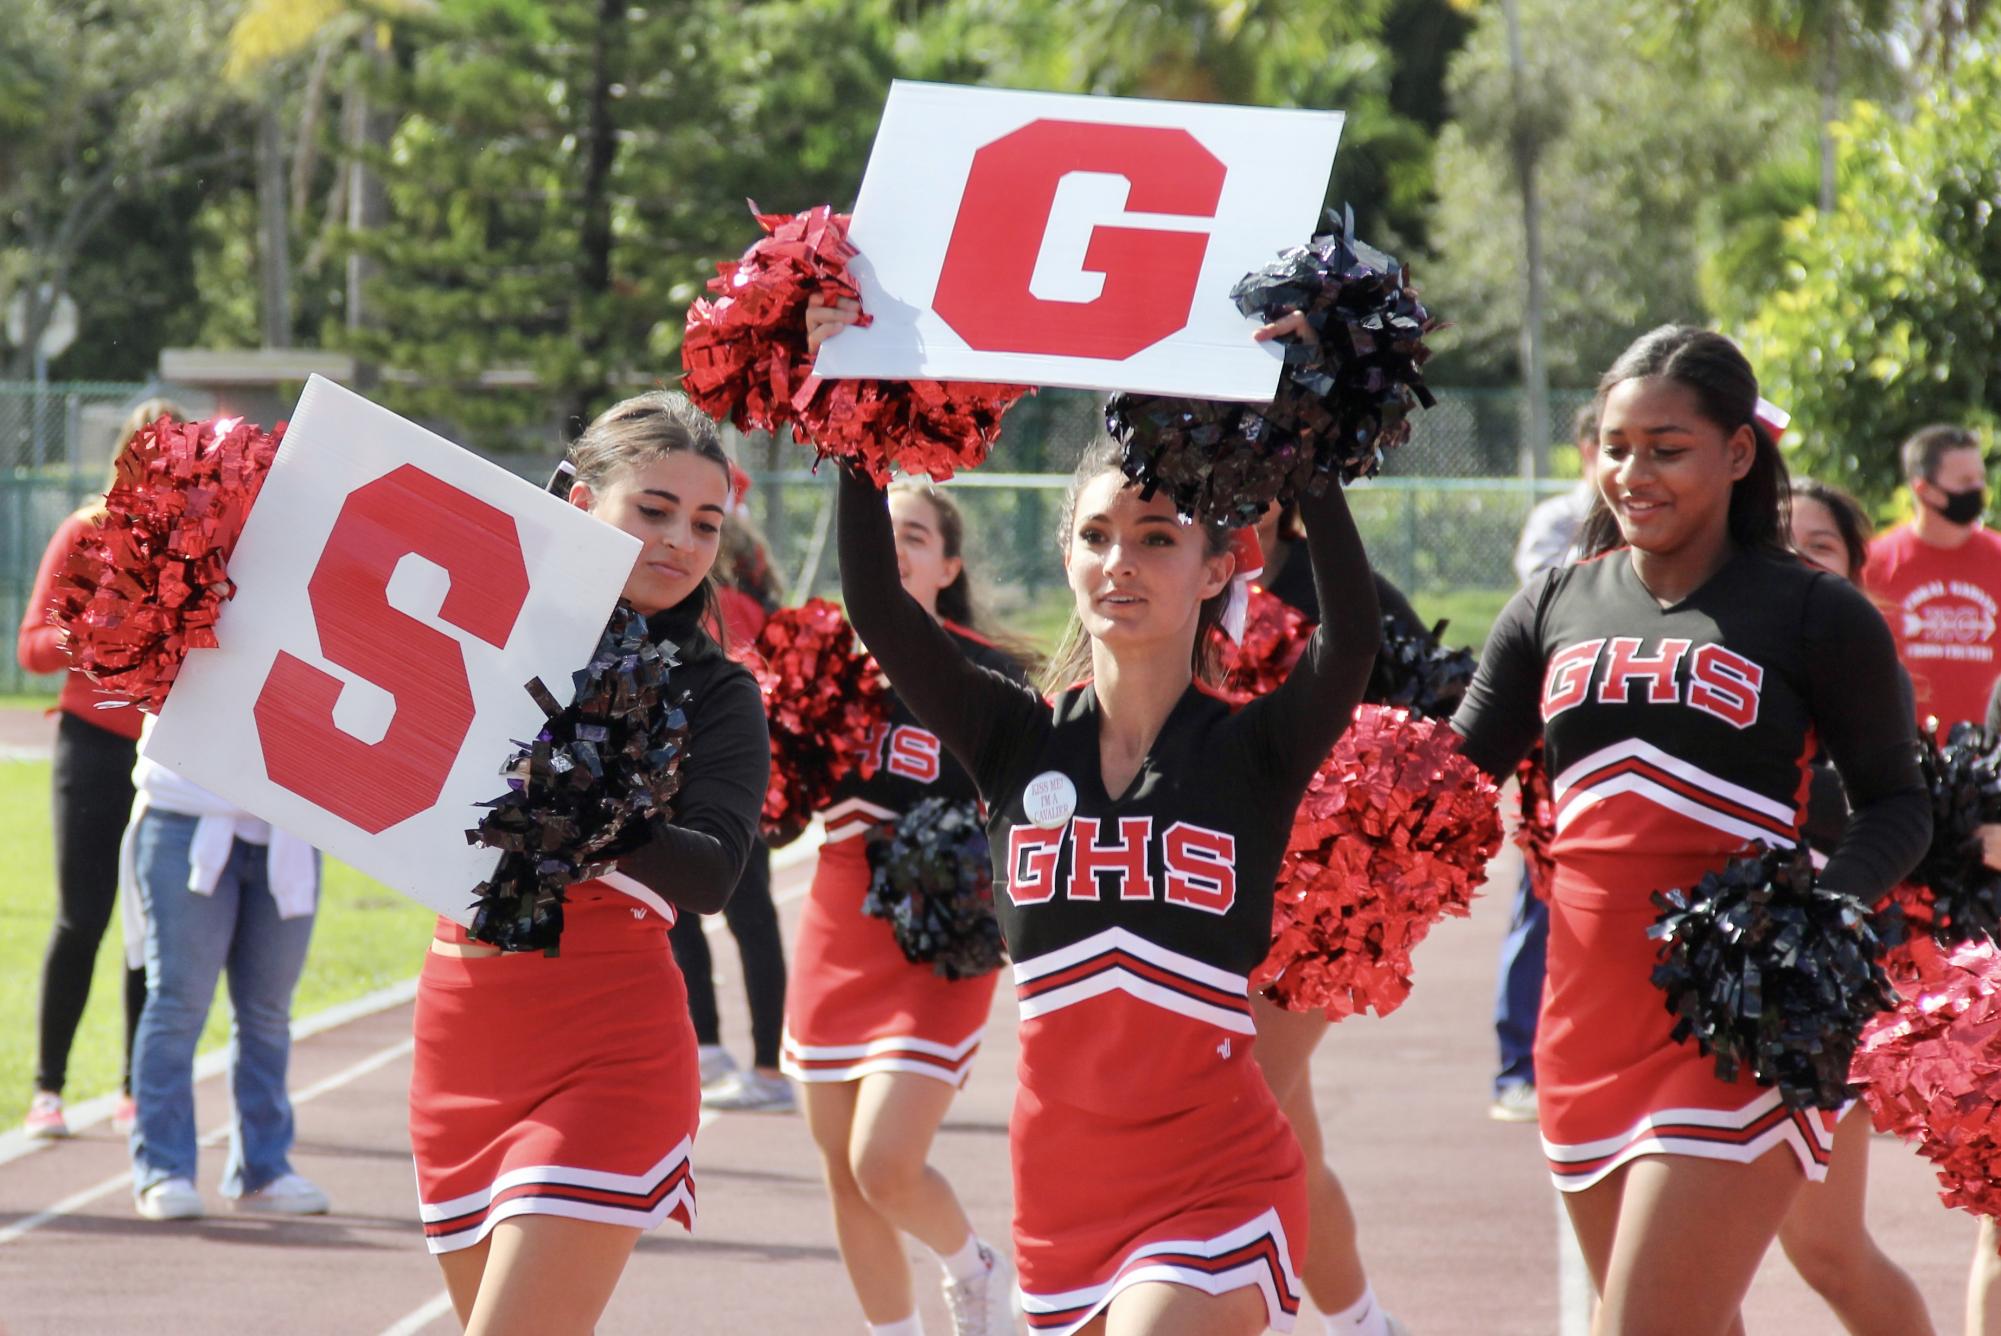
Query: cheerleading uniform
567,1084
1675,736
1146,1145
857,1005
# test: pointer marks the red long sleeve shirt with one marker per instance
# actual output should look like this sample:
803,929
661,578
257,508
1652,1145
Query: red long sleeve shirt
40,645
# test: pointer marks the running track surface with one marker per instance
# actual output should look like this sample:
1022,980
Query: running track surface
1457,1215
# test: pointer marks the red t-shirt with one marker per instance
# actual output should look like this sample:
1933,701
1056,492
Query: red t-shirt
1944,607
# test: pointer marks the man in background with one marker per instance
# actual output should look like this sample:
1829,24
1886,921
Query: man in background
1938,578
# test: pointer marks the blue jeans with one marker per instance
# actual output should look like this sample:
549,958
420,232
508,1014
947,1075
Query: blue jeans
1518,991
190,939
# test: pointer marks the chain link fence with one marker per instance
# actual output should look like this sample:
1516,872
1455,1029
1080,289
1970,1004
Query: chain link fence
1442,518
55,451
1444,515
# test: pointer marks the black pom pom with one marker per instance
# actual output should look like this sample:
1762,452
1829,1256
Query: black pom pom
1771,972
1419,672
932,878
1965,784
600,773
1342,401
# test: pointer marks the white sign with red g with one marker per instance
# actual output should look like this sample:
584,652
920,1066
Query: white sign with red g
394,593
1047,239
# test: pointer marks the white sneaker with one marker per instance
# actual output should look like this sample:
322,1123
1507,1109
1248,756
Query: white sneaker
751,1092
1396,1328
169,1199
717,1064
285,1195
1515,1104
982,1306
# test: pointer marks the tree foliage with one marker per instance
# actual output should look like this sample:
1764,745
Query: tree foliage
1637,135
92,125
1888,316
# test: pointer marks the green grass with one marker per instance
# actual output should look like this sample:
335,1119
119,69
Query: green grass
366,937
1471,612
31,700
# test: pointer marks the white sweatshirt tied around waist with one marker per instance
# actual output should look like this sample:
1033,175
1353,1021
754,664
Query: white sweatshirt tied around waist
289,862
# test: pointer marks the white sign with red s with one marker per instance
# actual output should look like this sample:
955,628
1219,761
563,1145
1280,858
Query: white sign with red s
394,594
1049,239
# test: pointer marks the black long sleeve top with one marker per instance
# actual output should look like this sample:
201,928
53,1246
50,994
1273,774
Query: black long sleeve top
1682,733
694,861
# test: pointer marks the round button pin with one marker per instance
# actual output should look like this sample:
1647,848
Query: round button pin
1049,799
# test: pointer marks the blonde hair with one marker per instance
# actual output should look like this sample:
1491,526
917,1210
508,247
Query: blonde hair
143,415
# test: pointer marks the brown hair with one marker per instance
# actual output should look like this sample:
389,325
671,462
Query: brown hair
960,602
1849,520
1927,445
1071,660
635,432
1726,393
743,561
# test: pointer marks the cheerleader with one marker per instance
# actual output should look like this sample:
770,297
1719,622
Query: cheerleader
553,1099
1679,676
880,1045
1137,823
1826,1233
1333,1272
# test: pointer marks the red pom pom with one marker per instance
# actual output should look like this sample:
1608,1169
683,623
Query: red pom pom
1275,636
826,699
745,359
1537,824
1931,1071
147,584
1394,834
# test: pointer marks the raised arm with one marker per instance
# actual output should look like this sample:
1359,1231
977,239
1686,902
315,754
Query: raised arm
1864,721
975,711
694,862
1299,723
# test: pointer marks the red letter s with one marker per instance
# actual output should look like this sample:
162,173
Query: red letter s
1150,275
376,785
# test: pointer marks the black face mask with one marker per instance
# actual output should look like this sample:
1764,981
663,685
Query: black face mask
1963,507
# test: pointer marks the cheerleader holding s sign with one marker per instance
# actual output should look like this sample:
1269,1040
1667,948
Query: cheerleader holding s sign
554,1099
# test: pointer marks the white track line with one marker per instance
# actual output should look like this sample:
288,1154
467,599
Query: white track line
89,1113
15,1144
437,1306
440,1304
215,1136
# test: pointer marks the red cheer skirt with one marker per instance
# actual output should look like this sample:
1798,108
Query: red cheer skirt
855,1005
1612,1084
1211,1196
562,1085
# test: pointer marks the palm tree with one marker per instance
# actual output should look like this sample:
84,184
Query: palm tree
267,33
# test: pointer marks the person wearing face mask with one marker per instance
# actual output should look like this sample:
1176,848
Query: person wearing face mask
1939,578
